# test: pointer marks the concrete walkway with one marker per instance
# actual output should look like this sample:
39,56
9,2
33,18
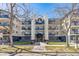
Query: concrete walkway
39,48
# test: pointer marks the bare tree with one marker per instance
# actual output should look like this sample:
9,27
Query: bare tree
66,14
11,7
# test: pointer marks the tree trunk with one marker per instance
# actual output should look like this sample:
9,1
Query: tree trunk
67,43
11,40
76,45
11,24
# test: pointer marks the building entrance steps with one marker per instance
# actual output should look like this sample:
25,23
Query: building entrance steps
37,43
40,43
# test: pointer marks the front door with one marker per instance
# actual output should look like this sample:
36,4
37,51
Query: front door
39,37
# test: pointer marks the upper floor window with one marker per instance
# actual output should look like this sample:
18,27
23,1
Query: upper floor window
23,28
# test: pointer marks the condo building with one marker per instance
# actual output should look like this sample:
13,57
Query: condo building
5,26
42,29
70,26
37,29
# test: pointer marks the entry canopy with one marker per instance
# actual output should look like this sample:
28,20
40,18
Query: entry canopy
39,33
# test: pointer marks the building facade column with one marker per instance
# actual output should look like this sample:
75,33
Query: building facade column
46,28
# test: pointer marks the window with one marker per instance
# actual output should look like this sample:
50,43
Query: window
26,33
50,22
75,31
4,16
16,31
39,28
75,23
22,23
29,28
26,22
23,28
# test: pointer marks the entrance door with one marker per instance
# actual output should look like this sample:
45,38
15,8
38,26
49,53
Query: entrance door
39,37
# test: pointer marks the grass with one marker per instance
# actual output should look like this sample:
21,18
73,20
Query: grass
22,43
61,49
6,48
56,43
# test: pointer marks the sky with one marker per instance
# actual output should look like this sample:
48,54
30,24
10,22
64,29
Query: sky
45,8
49,8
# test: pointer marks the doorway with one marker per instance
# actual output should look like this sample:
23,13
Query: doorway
39,37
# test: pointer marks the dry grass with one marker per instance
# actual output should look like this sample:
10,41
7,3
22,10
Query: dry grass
61,49
6,48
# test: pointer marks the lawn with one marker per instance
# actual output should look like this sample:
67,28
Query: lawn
56,43
61,49
6,48
22,43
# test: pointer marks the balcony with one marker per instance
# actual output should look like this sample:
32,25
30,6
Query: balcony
74,31
39,22
54,28
74,23
51,34
26,22
4,24
39,28
39,25
26,32
51,22
39,32
4,31
4,16
24,28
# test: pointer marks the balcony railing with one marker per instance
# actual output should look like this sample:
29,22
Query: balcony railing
26,23
54,28
4,24
74,23
4,16
74,32
39,29
39,22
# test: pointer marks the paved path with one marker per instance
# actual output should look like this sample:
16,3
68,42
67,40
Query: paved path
39,48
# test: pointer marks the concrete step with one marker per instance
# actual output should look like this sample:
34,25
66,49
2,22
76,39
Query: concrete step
37,43
40,43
